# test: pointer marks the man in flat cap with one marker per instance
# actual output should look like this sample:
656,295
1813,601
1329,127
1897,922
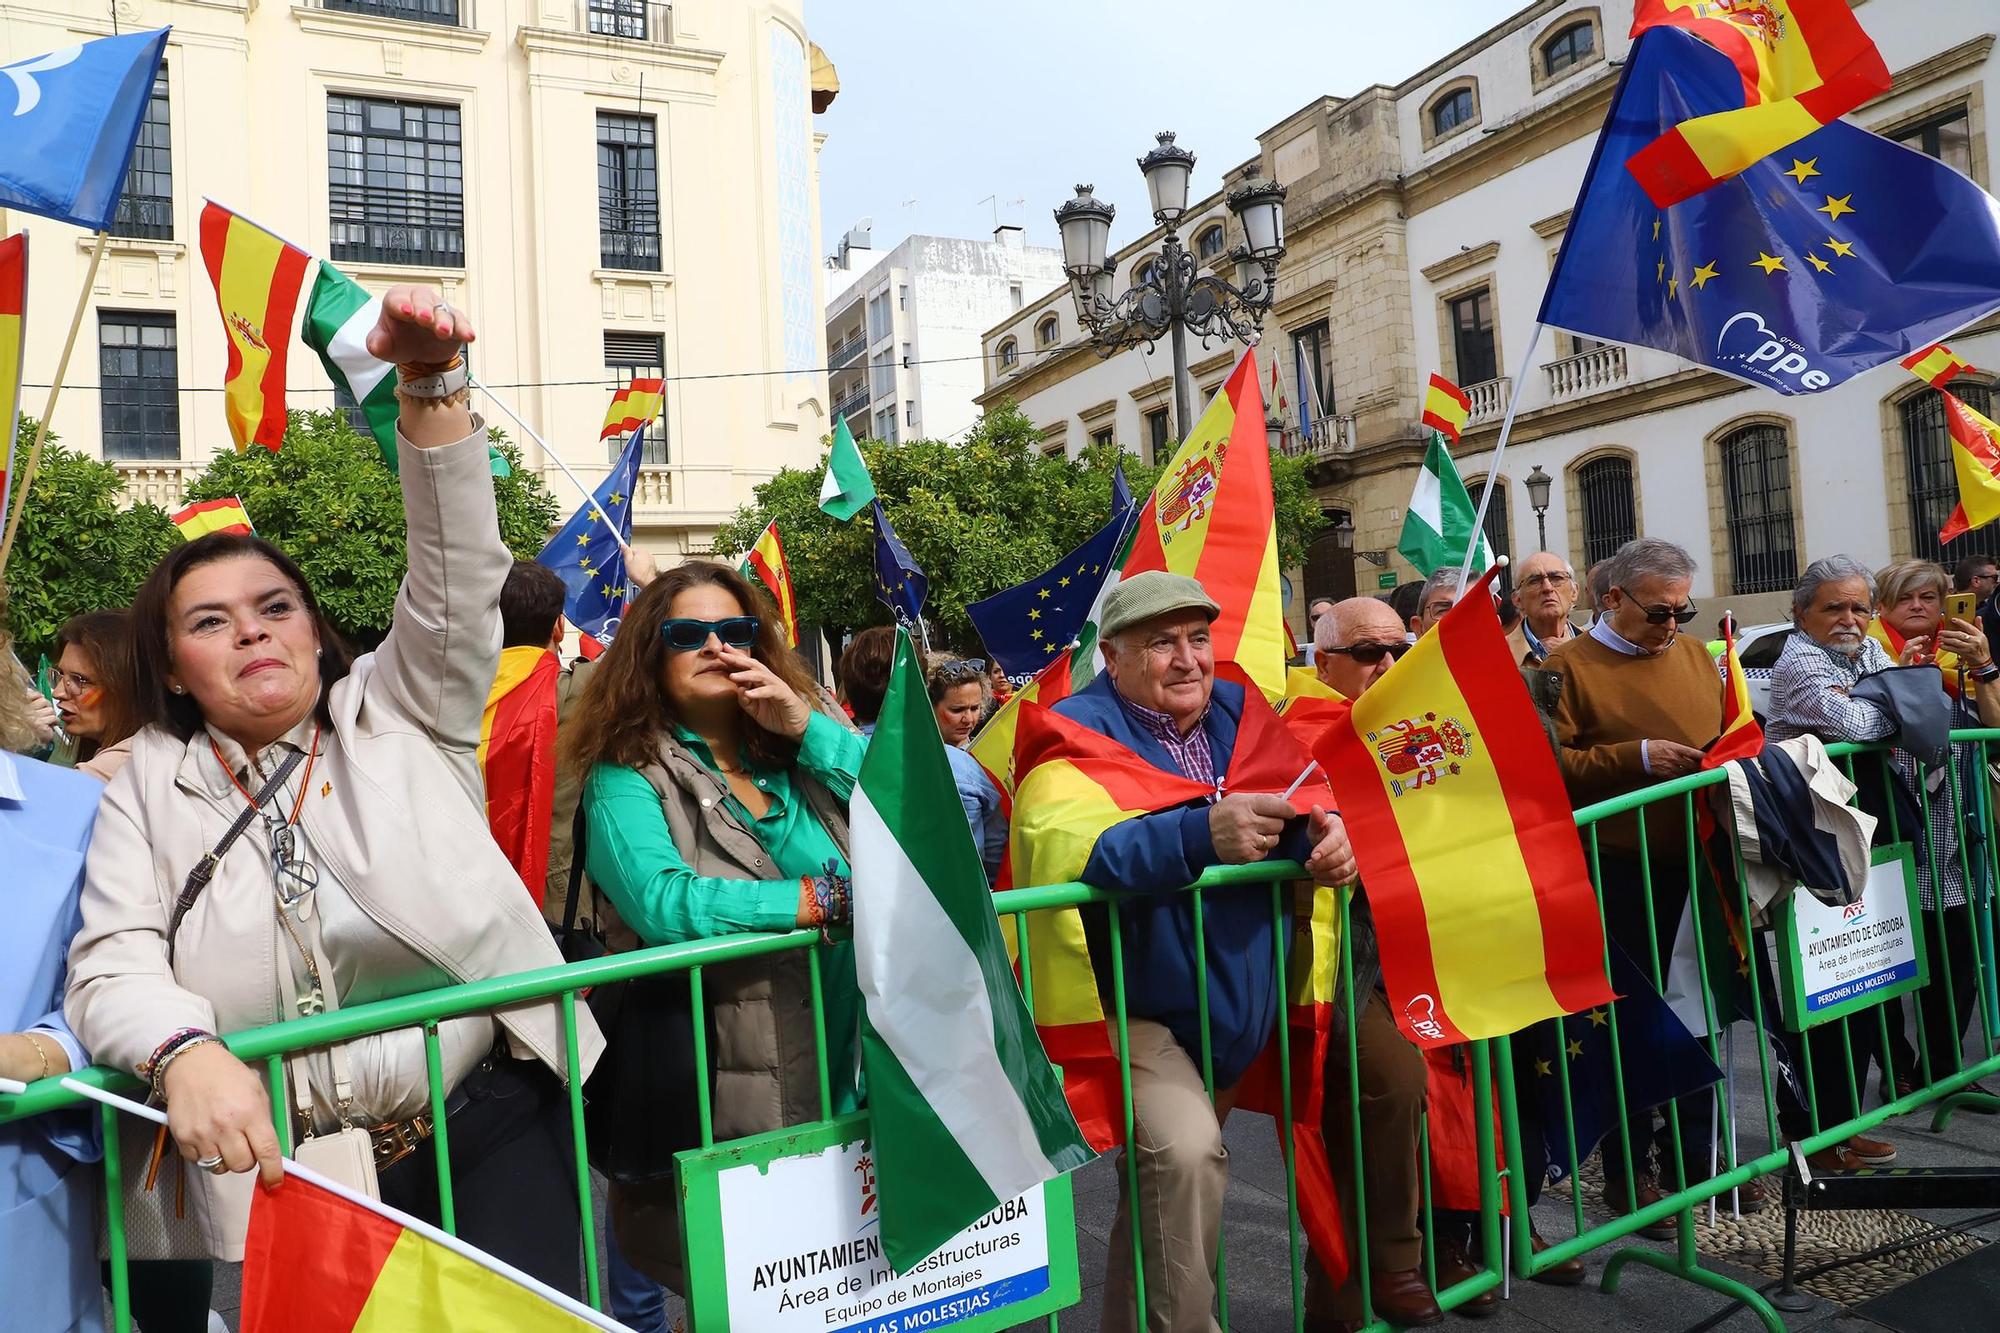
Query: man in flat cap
1159,698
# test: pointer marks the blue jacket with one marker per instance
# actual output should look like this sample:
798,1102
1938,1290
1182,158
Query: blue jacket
1157,853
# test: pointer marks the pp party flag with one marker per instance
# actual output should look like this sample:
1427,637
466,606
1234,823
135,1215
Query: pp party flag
1211,516
766,564
1438,525
633,406
1803,64
588,553
257,278
900,584
1025,626
1936,365
1975,461
847,488
13,318
1741,736
965,1111
1844,252
320,1261
72,117
226,514
1483,906
517,757
1446,407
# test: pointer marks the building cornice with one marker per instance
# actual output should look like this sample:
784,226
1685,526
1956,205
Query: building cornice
1967,55
557,41
1466,258
1551,227
1660,394
1507,146
370,27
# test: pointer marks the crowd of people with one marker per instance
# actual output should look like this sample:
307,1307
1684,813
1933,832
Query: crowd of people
256,824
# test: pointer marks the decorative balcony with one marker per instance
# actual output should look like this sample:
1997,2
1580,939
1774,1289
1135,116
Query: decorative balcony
1587,372
654,491
634,20
1488,398
154,481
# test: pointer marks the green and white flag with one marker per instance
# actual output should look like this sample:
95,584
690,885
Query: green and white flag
967,1111
338,316
1439,522
848,489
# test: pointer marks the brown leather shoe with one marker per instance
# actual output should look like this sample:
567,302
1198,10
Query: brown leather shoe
1403,1299
1836,1158
1568,1273
1875,1152
1454,1266
1649,1194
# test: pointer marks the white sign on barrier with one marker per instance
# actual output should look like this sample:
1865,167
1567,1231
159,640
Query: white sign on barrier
1844,958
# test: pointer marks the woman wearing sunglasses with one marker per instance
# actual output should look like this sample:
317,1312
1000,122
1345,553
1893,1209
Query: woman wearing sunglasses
715,802
93,690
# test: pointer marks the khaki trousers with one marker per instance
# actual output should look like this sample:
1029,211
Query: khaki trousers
1183,1170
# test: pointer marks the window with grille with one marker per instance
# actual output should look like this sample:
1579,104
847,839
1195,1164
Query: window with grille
1933,486
628,193
1498,535
1757,491
618,18
1312,371
146,208
1209,244
1568,48
395,182
630,356
1472,336
443,12
1947,137
138,369
1610,517
1158,439
1451,111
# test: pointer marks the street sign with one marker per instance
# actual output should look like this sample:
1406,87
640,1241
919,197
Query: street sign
1385,581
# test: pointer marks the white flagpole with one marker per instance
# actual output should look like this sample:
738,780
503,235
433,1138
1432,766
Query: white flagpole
1499,452
548,453
418,1225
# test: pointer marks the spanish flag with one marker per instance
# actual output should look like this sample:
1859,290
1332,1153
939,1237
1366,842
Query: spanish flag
13,314
1936,365
205,516
257,279
1741,737
1975,460
1483,905
766,564
1804,63
994,747
517,757
632,407
317,1261
1211,516
1446,407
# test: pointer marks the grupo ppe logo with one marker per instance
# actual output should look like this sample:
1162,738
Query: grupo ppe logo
1753,348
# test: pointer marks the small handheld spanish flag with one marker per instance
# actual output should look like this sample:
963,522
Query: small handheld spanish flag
632,407
1741,737
766,564
257,279
1936,365
1446,408
206,516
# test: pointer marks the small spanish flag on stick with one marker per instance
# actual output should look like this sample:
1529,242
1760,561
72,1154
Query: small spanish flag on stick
1446,408
206,516
1975,460
257,279
766,564
1936,365
1741,737
632,407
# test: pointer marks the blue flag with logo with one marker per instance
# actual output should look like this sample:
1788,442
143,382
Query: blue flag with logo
1833,256
899,584
1028,624
68,121
587,556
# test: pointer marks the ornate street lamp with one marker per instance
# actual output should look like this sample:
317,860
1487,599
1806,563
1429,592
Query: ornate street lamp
1538,483
1173,299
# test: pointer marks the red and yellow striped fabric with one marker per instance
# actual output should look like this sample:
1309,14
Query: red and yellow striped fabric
517,756
1936,365
1211,516
206,516
766,563
314,1262
1446,407
1804,64
1975,460
632,407
257,279
13,313
994,746
1483,906
1741,737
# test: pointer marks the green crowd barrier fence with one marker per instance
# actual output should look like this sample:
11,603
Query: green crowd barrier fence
1754,1130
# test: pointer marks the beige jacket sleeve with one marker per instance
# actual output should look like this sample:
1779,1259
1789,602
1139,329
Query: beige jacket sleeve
437,663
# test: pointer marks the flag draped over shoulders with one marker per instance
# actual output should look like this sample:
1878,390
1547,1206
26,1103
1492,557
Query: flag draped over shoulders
517,757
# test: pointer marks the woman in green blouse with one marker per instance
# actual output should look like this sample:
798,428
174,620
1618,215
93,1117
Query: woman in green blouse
715,802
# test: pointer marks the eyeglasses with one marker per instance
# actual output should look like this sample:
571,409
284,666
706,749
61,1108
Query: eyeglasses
1368,654
1554,580
959,668
686,636
69,680
295,877
1660,615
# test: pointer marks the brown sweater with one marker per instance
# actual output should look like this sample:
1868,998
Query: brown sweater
1610,703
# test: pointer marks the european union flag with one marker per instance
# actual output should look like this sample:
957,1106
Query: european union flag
899,584
71,118
1028,624
1840,253
587,556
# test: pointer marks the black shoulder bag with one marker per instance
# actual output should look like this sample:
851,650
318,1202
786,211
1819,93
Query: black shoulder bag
204,869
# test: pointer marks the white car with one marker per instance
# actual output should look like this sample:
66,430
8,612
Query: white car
1758,646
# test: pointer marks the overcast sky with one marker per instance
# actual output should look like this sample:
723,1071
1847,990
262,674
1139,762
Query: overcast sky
946,102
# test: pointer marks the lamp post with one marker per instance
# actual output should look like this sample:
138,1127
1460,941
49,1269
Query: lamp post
1538,483
1173,299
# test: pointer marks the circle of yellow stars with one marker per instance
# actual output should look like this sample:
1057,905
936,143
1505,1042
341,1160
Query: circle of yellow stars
1573,1046
1049,646
1835,207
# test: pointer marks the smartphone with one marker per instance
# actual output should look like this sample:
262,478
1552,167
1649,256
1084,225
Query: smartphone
1962,606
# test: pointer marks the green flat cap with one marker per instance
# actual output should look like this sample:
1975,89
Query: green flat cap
1153,593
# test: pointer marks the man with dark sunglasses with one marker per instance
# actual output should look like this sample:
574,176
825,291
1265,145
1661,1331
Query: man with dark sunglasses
1355,643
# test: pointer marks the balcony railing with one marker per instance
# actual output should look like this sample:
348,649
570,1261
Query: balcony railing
161,482
634,20
854,405
847,353
443,13
1489,398
1587,372
655,489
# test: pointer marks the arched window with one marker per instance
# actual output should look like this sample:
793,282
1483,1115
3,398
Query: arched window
1449,112
1142,272
1497,534
1933,487
1568,48
1209,243
1757,490
1008,354
1047,331
1610,518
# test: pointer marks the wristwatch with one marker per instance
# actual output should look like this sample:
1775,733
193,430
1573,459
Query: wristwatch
432,379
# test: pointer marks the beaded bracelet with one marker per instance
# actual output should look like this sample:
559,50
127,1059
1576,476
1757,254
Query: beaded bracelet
153,1069
159,1079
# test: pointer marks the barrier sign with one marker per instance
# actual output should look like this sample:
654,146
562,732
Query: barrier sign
783,1235
1834,960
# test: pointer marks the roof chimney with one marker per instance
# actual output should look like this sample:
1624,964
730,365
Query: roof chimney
1009,235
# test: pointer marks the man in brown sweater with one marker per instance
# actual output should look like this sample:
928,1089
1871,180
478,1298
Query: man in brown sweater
1639,701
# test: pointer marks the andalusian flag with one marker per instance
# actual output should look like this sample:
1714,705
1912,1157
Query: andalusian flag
257,279
632,407
1211,516
1936,365
1741,737
1438,524
1975,460
966,1112
517,757
1804,64
766,564
1446,407
1483,905
13,316
320,1260
205,516
847,488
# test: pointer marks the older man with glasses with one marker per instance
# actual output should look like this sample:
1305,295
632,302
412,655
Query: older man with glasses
1355,642
1544,591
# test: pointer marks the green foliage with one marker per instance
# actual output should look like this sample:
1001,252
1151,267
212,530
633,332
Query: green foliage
77,550
980,516
329,501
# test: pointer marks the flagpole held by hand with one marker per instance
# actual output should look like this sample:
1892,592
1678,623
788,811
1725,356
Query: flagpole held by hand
26,480
1499,452
548,453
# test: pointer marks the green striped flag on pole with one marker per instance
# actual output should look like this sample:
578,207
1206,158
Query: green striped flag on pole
967,1112
1439,521
847,489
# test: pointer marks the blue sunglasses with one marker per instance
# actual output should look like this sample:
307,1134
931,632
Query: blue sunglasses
686,636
